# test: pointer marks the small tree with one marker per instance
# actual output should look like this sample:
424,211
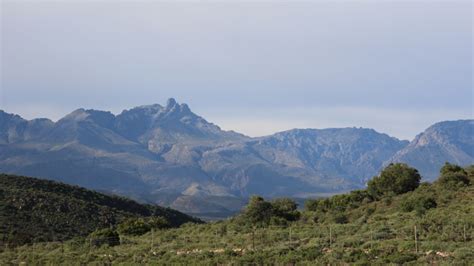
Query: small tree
398,178
258,211
451,168
311,205
453,176
285,208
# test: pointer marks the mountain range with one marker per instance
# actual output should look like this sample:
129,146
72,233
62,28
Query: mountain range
168,155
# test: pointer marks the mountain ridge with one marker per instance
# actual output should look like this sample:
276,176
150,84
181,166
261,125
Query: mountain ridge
171,156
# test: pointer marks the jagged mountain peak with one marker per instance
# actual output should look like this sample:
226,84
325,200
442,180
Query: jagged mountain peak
447,141
170,103
174,110
155,124
4,117
156,111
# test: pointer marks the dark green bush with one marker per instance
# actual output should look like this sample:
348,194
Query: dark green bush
400,258
451,168
285,208
278,221
383,233
453,176
418,203
396,178
140,226
311,253
340,218
369,211
133,227
311,205
106,236
258,211
465,253
339,202
454,180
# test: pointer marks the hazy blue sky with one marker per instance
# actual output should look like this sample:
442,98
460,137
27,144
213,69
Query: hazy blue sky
252,67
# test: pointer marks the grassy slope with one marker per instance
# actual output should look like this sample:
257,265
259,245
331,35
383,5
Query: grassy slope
376,233
33,210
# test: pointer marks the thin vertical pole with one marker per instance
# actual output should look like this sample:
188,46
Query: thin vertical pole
416,241
152,240
464,232
330,236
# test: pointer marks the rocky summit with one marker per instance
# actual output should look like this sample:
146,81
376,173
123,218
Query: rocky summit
171,156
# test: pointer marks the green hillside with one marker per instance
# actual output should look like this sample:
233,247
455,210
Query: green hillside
34,210
396,220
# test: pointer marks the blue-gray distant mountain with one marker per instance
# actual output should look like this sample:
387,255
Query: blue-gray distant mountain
171,156
449,141
14,129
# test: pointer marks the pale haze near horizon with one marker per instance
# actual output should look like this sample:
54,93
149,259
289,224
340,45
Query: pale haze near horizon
255,68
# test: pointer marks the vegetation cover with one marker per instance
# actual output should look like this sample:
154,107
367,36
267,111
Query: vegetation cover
36,210
418,223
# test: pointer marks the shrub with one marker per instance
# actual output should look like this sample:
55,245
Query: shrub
278,221
396,178
419,203
135,227
353,255
285,208
311,205
464,253
311,253
399,258
158,222
369,211
451,168
258,211
383,233
140,226
340,218
454,180
453,176
106,236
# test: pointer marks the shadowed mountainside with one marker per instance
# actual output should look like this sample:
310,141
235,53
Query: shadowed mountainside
35,210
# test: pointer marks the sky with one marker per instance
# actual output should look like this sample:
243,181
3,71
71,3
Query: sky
253,67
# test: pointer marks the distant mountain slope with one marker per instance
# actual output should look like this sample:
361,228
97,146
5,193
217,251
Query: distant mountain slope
40,210
13,128
301,162
350,153
449,141
170,156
